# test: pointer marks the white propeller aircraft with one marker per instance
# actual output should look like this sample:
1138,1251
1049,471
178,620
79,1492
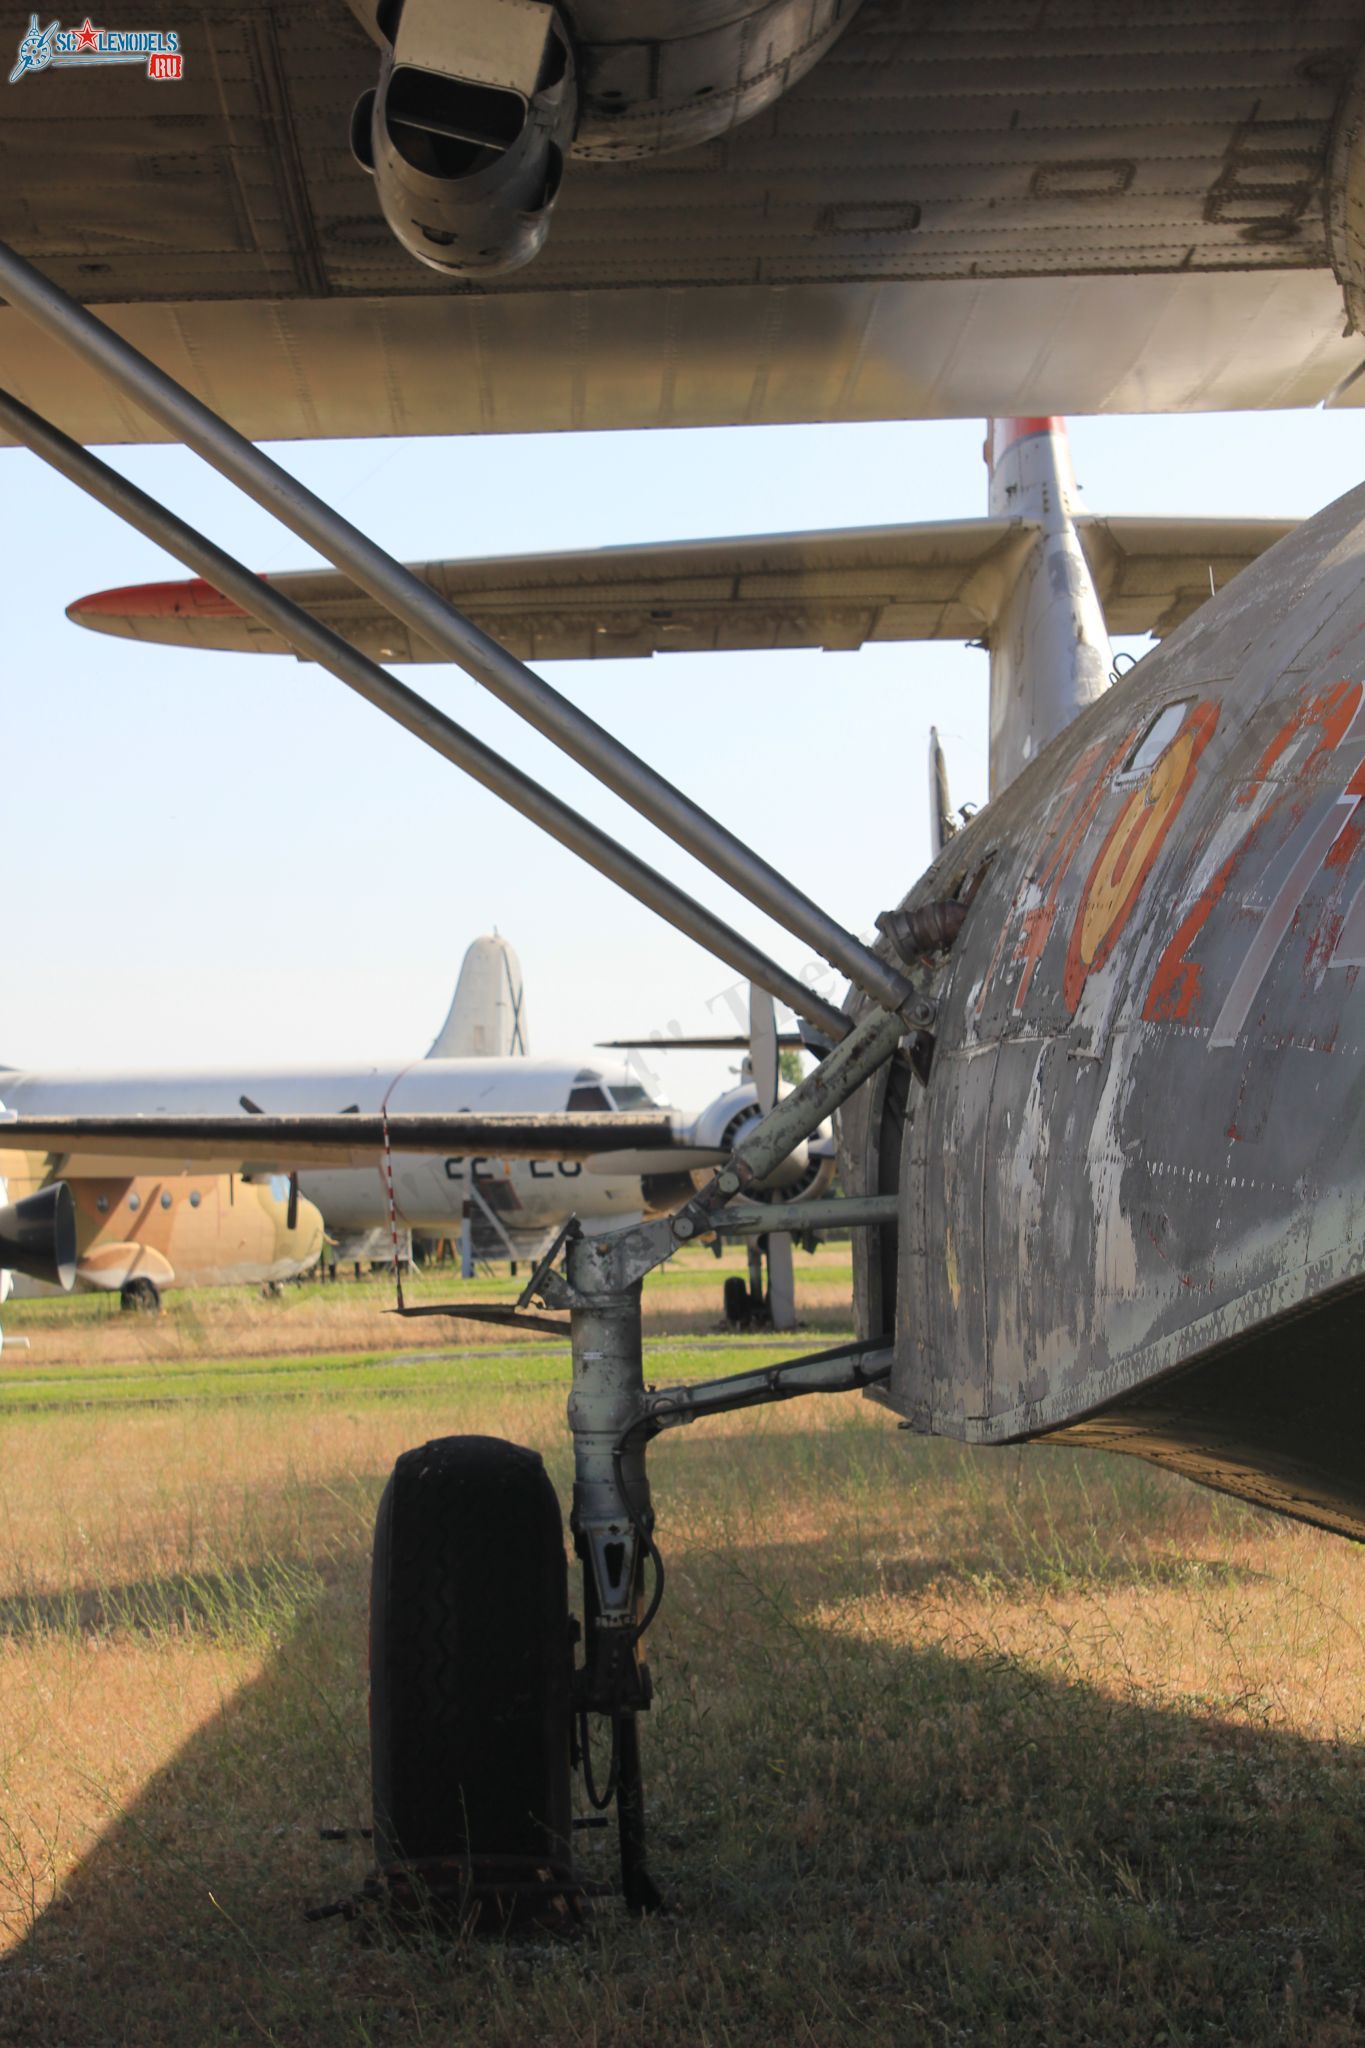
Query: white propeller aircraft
479,1066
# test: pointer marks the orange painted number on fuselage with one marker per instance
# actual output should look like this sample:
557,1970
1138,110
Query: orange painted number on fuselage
1129,852
1034,909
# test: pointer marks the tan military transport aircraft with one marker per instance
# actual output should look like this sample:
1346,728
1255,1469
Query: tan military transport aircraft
138,1235
1100,1078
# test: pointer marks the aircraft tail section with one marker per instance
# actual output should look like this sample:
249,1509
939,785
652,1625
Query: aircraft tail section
942,824
1049,644
487,1015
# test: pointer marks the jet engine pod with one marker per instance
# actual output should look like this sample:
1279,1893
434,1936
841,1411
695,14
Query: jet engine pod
466,132
38,1236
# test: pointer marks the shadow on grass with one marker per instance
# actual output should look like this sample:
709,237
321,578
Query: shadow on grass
867,1843
225,1603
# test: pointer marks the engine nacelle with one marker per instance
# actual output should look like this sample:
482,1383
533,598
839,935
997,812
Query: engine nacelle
38,1236
479,102
659,75
466,132
803,1174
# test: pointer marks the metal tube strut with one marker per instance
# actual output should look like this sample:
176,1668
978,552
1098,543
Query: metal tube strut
871,1042
598,1266
841,1371
429,615
320,644
841,1212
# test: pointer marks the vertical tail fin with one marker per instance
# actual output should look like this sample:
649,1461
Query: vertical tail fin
942,824
1049,645
487,1015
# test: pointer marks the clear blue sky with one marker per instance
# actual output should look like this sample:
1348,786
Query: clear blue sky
223,859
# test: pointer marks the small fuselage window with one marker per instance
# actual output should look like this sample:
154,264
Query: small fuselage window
1154,742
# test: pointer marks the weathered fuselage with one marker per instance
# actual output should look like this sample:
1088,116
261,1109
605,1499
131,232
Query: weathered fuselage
1132,1192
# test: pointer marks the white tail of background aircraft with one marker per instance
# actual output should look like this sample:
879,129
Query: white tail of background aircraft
487,1014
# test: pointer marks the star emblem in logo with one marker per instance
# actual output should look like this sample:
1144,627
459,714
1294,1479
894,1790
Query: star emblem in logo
87,37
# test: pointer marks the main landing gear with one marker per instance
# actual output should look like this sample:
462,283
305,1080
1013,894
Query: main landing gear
766,1299
485,1696
478,1716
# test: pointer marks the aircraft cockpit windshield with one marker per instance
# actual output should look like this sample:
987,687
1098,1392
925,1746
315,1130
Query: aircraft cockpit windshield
587,1092
590,1091
632,1095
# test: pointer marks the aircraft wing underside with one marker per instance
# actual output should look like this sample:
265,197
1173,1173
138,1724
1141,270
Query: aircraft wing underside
105,1144
840,589
960,209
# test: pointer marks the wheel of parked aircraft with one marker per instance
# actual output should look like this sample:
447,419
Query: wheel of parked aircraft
739,1308
141,1294
470,1674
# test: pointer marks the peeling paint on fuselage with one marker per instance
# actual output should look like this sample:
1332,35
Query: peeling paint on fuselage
1132,1201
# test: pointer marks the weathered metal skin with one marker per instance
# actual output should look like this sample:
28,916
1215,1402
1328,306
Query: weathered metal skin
1133,1189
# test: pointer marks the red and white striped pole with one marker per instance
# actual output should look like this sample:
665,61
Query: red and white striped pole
393,1207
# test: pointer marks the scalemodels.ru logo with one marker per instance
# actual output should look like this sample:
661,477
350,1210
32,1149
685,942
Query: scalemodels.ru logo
158,49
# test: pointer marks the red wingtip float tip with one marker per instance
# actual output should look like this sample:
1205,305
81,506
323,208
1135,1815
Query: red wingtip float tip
194,599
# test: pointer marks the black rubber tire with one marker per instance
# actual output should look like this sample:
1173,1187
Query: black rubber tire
739,1309
470,1662
142,1294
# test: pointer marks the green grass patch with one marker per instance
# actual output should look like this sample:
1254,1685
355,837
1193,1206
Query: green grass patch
369,1375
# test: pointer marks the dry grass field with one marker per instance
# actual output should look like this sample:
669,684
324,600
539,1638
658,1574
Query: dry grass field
1027,1747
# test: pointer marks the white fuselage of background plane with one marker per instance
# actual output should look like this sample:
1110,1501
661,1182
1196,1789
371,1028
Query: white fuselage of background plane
528,1196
